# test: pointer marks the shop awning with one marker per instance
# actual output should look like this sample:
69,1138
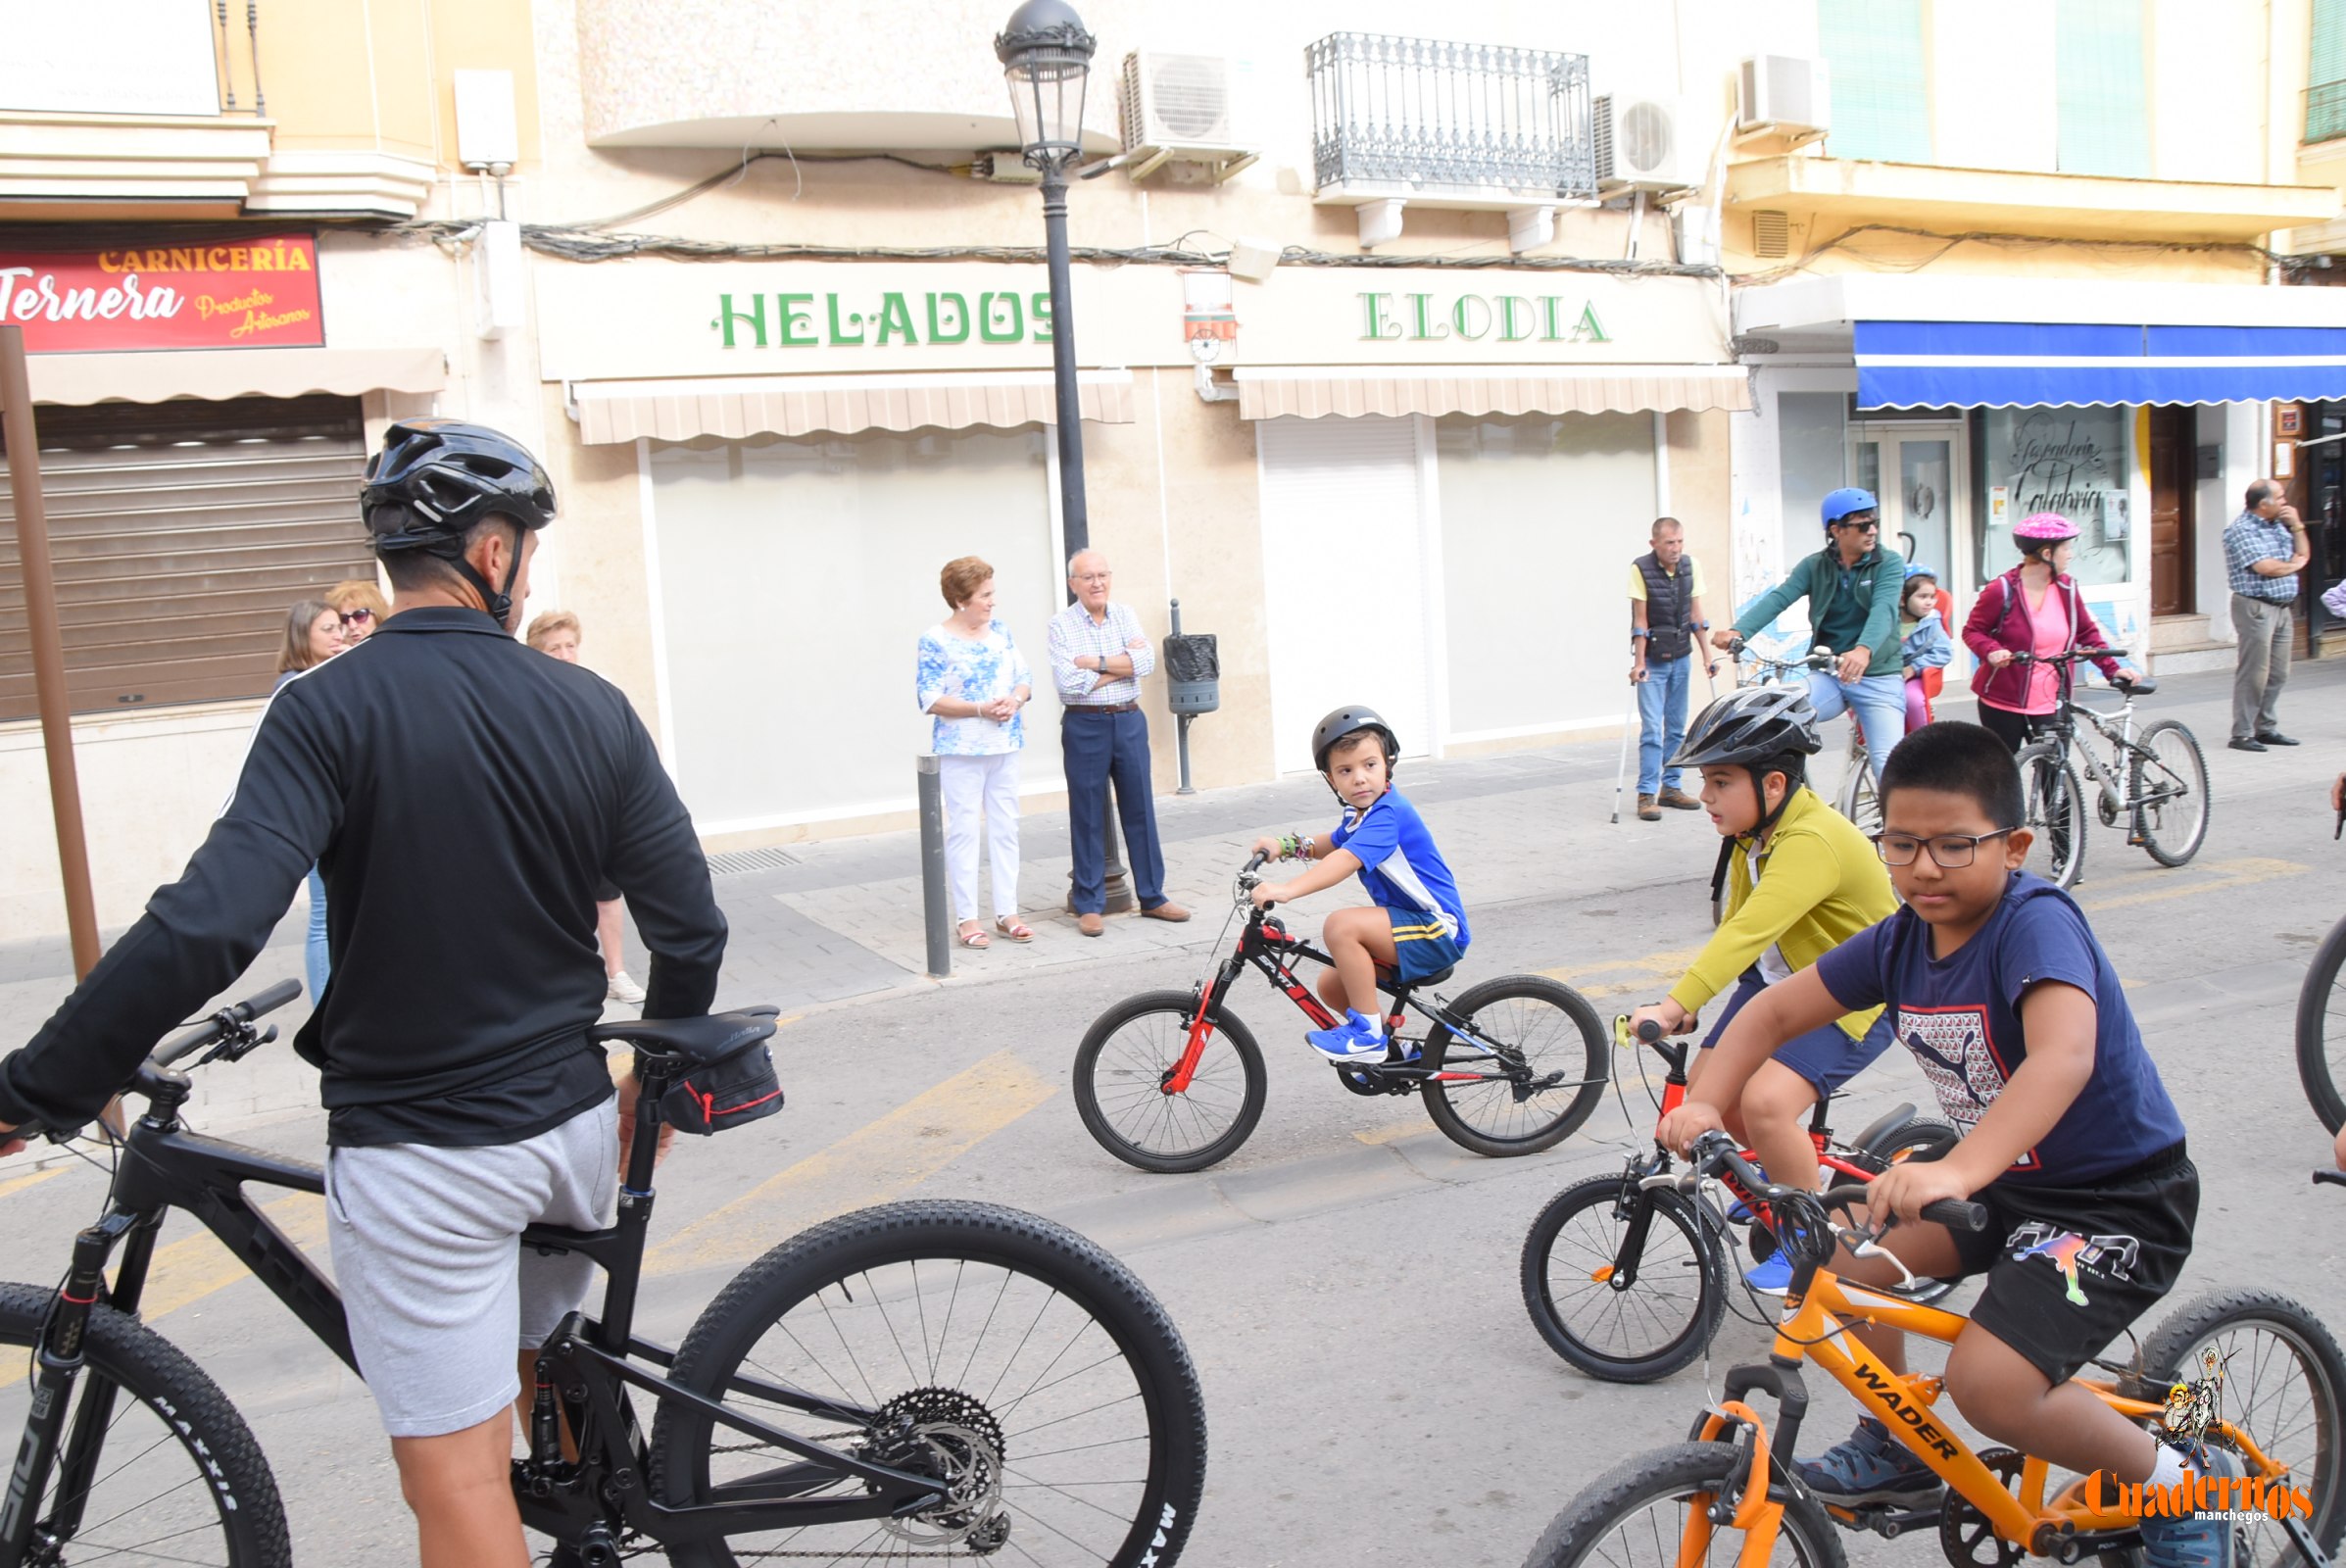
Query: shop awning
1902,364
1316,392
737,407
217,375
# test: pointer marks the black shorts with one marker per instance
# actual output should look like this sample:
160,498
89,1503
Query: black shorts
2069,1268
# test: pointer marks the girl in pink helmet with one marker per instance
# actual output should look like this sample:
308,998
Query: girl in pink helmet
2033,608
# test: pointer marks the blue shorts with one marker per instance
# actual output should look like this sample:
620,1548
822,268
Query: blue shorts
1827,1057
1420,945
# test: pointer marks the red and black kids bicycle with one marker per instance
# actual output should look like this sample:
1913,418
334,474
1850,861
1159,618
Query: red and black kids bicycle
1627,1278
1173,1081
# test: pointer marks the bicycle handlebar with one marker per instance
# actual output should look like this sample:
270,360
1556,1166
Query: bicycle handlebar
2069,656
1650,1030
1255,862
1955,1213
1718,1149
233,1016
2337,1178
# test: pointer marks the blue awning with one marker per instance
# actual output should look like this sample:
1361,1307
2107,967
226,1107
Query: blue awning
1906,364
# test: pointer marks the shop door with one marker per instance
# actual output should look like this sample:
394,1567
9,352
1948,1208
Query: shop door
1921,472
1344,574
2172,433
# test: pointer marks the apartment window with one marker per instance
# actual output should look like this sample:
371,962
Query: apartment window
2103,124
1880,101
2325,76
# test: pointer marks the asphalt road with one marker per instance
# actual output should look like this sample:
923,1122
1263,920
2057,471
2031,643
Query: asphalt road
1346,1283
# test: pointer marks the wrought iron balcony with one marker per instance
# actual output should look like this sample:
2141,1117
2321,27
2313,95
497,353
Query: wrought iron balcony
2326,111
1426,118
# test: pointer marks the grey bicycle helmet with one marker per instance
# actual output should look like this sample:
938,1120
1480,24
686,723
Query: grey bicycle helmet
435,479
1351,719
1749,726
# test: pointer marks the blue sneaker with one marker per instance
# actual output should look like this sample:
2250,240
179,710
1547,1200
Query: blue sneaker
1771,1277
2192,1543
1868,1467
1357,1039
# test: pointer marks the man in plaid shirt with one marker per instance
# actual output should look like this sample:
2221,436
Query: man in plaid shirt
2264,550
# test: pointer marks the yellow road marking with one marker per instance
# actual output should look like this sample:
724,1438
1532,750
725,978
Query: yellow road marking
31,1178
187,1270
2240,873
881,1160
1375,1137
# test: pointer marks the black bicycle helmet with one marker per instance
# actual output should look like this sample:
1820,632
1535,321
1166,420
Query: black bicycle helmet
1351,719
1750,725
436,478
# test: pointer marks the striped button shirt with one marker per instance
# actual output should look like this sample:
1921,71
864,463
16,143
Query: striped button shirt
1074,635
2249,539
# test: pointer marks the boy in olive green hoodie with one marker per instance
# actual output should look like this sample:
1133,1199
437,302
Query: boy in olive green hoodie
1800,880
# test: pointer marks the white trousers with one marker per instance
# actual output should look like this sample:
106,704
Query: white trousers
981,788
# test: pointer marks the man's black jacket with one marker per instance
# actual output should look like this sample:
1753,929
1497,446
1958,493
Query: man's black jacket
463,796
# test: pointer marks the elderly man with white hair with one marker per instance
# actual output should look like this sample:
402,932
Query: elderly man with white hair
1099,657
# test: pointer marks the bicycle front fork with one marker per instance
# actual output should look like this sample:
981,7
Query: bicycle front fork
59,1359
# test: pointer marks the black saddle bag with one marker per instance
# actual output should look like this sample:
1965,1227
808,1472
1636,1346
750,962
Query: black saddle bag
729,1092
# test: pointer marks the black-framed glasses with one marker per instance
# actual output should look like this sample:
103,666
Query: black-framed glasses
1953,850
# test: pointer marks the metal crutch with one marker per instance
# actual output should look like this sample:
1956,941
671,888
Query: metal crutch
1621,772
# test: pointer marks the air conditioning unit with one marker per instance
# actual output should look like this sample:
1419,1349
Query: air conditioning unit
1792,94
1638,145
1185,106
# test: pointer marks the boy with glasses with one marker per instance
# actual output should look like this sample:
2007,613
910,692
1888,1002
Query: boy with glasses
1852,587
1992,978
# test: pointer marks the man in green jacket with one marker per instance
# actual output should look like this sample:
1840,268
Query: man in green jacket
1852,588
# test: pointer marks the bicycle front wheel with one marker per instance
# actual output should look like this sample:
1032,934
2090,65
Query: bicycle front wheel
1531,1059
2169,776
1861,798
2322,1030
1006,1354
2285,1385
2056,811
1624,1284
167,1472
1638,1516
1121,1072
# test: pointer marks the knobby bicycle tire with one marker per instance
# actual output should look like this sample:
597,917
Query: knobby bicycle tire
1557,1112
2148,827
1586,1223
2054,795
2311,1444
1134,1106
182,1444
1662,1479
2315,1066
1084,1340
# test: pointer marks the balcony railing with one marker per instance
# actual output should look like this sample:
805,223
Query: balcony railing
196,60
238,46
2325,111
1451,116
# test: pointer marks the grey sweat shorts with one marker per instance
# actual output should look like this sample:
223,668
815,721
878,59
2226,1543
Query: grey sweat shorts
439,1292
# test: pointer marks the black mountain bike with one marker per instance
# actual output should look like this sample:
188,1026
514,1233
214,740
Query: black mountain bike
919,1380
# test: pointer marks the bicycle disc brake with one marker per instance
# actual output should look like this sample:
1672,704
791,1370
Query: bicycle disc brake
958,1440
1964,1534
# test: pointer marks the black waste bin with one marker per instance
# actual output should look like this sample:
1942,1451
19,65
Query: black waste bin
1192,673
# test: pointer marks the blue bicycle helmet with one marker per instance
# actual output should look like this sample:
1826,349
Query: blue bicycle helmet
1920,570
1846,500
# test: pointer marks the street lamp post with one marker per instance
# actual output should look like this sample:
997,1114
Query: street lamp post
1045,57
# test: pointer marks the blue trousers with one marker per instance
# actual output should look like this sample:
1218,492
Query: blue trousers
1879,701
1661,717
1098,749
313,950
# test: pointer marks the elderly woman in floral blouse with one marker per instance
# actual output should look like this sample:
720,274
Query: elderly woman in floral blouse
974,681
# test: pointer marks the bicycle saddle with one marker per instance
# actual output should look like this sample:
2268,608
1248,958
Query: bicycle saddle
698,1040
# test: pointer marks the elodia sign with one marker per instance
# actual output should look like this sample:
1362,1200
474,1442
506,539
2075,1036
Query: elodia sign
256,291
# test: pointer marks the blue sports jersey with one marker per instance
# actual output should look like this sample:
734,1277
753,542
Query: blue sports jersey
1960,1017
1399,863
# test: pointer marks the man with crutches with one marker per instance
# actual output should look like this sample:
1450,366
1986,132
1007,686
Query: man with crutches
1666,624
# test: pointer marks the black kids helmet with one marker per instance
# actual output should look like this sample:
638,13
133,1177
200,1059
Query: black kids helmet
435,479
1351,719
1751,725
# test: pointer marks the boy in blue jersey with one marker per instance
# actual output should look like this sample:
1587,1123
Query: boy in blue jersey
1419,924
1994,981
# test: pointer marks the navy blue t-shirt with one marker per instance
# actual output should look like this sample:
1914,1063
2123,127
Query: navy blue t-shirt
1960,1017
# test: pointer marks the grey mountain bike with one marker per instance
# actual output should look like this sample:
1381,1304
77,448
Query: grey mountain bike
2155,780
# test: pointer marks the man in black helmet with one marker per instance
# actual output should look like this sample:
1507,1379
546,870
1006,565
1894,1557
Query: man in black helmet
462,797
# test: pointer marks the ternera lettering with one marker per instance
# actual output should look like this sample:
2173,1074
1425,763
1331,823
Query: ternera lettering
888,320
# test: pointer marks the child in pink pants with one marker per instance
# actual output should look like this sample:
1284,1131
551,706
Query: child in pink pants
1923,640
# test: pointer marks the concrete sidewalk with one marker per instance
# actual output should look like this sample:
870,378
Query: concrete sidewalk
833,923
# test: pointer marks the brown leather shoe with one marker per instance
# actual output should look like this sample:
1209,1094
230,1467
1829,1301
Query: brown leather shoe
1678,799
1089,926
1647,811
1167,911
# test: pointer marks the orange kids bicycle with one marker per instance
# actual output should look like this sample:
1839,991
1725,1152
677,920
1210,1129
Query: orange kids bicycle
1731,1492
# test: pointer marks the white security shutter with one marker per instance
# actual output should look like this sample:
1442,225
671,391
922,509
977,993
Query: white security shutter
1343,532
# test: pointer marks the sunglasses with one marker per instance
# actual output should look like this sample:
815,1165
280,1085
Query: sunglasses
351,618
1869,525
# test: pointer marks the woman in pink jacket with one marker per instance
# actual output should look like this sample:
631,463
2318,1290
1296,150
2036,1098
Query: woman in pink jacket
2033,608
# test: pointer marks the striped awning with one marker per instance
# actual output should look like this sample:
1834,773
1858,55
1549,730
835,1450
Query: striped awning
734,407
218,374
1314,392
